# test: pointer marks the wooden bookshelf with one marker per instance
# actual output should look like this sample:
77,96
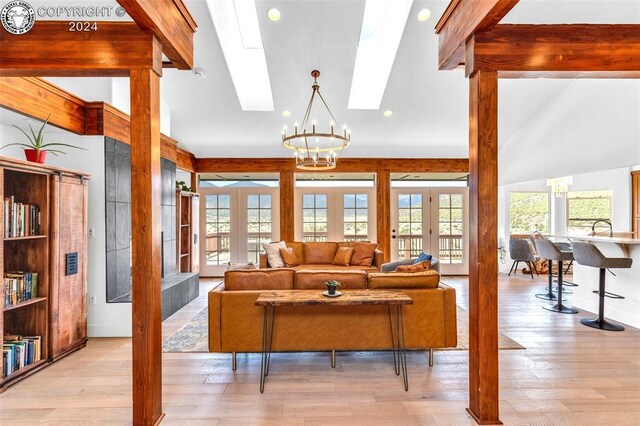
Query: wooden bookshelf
187,228
60,195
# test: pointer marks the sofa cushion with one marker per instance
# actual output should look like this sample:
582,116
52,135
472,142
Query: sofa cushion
331,266
307,279
259,279
297,249
363,254
273,253
416,267
400,280
316,253
289,257
343,256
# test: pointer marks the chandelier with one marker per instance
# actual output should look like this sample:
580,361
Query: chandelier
313,149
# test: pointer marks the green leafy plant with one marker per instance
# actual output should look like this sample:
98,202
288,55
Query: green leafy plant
332,283
182,186
36,141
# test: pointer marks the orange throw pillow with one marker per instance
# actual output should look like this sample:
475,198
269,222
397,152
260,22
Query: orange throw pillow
418,267
343,256
289,257
363,254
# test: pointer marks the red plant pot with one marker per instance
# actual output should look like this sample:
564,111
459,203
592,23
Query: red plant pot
34,156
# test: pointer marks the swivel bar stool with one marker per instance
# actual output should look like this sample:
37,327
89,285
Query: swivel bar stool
550,251
588,255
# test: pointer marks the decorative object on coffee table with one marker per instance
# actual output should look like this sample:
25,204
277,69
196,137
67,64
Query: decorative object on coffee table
332,287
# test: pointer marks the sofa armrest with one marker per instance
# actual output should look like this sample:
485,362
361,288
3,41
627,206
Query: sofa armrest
264,263
450,316
215,318
378,259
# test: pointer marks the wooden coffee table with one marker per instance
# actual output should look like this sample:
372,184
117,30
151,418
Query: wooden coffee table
394,300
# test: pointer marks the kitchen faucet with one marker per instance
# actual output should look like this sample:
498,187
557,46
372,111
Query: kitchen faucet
607,221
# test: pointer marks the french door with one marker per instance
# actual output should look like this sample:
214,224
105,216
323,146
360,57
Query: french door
235,222
433,220
335,214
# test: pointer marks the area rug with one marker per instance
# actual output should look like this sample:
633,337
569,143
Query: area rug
193,337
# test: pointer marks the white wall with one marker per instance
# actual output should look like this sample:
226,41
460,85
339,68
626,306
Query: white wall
590,125
120,98
103,319
182,175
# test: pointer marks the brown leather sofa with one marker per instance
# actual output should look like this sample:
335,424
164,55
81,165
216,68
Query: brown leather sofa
235,323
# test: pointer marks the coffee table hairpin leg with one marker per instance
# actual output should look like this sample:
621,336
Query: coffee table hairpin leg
397,341
269,313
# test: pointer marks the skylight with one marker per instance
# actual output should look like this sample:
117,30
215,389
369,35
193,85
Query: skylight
236,22
382,28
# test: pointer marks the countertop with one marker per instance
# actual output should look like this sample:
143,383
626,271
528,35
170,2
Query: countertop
600,239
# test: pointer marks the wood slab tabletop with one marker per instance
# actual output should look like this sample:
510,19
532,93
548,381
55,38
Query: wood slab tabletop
348,297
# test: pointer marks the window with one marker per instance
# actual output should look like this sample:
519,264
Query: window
529,212
258,225
314,217
409,225
450,228
585,207
218,228
356,217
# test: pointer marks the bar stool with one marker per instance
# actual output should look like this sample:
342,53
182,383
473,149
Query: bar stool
588,255
520,251
551,252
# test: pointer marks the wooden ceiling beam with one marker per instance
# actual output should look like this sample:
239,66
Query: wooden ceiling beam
50,49
552,51
37,99
345,165
171,22
461,20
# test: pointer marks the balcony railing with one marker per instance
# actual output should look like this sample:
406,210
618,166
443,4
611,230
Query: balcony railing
450,247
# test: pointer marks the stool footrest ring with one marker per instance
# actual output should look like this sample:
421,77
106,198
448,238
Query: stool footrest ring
609,295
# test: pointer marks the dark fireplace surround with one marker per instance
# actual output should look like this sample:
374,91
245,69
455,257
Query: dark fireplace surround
178,289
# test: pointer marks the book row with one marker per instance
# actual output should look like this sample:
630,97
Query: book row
20,220
20,287
19,352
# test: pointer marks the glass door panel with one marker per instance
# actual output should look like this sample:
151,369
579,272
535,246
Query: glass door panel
314,217
217,223
259,229
409,229
449,240
355,222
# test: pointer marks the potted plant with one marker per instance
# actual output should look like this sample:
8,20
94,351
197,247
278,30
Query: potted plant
182,186
36,150
332,286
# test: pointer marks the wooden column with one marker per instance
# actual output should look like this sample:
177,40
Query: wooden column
635,203
287,194
483,254
194,181
383,212
146,247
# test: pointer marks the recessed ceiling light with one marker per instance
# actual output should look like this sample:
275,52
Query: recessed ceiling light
388,113
273,14
200,72
424,14
286,113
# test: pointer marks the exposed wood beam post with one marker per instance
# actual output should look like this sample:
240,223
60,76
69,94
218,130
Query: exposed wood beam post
483,243
557,51
461,20
146,247
383,212
287,194
194,181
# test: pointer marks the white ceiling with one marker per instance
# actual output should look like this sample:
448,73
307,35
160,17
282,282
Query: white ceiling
430,106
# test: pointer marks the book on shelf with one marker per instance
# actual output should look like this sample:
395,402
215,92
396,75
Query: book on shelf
20,287
19,352
20,220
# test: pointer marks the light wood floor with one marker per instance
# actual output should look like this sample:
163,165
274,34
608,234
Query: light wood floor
568,375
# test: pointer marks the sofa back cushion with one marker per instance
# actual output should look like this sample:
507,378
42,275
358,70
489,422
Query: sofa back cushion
319,253
310,279
289,257
363,254
404,280
262,279
298,250
343,256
